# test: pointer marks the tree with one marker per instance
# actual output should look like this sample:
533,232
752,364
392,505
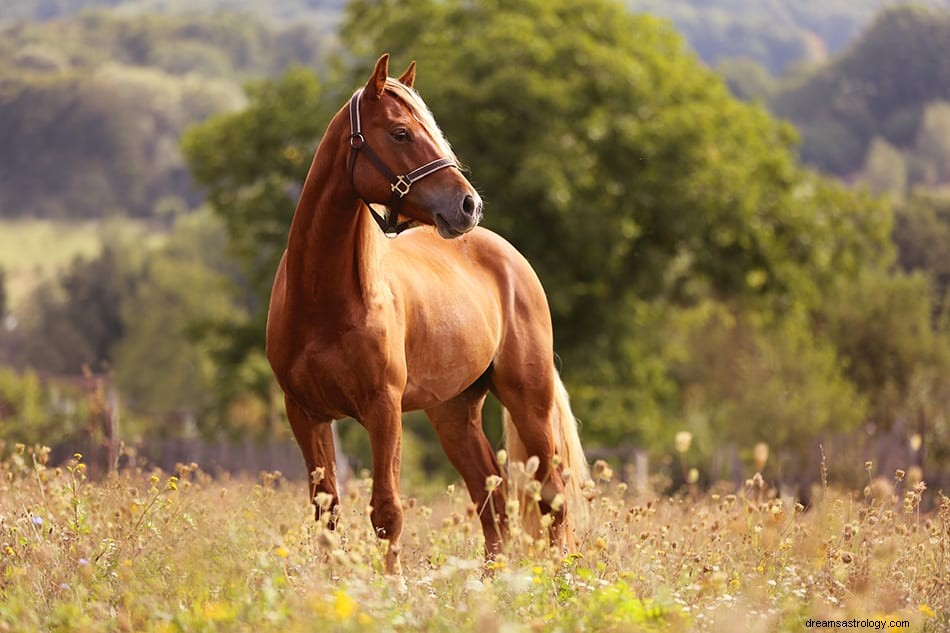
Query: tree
160,367
885,169
621,167
933,141
3,294
637,186
75,321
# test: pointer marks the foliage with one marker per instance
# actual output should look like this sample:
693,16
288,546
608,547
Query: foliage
883,326
159,551
34,410
627,174
159,366
75,321
922,236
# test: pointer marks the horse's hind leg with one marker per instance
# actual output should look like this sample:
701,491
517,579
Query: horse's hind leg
315,438
458,423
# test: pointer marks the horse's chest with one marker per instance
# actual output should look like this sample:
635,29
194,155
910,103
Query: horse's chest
333,377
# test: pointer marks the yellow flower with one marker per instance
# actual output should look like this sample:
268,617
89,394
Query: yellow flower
282,552
926,610
218,611
343,605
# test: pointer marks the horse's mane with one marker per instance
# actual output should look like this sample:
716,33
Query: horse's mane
421,113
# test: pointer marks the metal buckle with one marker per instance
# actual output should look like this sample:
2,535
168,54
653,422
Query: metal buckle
401,186
356,140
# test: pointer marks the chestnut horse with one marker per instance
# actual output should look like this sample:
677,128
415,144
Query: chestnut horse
368,327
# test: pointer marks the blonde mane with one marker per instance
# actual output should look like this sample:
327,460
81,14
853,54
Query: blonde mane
420,111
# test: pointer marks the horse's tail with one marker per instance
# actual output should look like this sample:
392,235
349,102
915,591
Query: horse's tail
567,446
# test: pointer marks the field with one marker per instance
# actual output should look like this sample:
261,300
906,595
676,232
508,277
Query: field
153,551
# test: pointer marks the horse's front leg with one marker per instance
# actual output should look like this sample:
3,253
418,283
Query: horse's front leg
383,421
315,438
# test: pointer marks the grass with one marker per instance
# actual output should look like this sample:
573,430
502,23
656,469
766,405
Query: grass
153,551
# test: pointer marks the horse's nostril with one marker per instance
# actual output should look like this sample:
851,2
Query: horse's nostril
469,206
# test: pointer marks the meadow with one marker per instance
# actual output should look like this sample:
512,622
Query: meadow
143,550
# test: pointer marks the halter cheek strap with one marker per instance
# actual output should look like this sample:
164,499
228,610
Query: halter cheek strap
398,184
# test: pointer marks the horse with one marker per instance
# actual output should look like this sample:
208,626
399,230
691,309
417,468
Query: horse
367,327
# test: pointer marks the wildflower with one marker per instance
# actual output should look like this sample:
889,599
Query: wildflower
37,520
318,474
323,500
693,475
533,489
916,441
492,482
281,551
511,507
502,457
682,441
531,466
602,471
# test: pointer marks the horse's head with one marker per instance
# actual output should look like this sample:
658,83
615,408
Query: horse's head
399,158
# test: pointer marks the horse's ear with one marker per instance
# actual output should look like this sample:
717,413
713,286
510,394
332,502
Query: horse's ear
408,78
377,82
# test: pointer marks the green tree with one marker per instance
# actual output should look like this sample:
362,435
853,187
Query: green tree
621,167
159,366
3,293
922,236
933,142
885,169
75,321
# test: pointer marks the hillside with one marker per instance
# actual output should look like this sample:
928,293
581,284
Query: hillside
108,97
888,92
773,33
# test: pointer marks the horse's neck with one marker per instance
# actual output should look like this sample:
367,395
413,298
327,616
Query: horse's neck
334,247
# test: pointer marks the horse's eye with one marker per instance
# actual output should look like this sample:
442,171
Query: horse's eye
400,135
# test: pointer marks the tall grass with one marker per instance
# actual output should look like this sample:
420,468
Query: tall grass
154,551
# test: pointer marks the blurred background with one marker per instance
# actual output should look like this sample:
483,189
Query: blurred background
740,210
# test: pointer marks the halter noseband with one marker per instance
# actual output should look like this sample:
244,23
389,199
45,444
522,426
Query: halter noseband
400,185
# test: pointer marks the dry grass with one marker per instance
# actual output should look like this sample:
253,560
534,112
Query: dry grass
157,552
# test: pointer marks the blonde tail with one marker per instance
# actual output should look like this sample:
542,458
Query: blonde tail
567,446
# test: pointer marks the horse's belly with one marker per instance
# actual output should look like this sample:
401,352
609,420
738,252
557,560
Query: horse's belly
439,367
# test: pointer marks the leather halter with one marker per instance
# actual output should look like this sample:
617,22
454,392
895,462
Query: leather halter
399,184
